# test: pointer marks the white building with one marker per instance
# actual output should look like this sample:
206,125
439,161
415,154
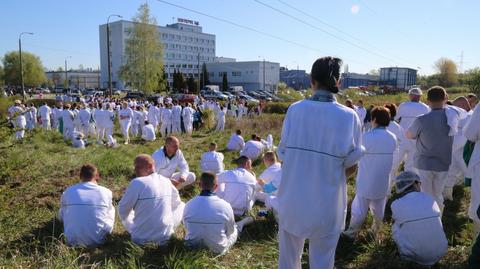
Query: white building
80,79
185,46
251,75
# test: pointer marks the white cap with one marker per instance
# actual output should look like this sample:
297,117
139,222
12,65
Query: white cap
415,91
405,180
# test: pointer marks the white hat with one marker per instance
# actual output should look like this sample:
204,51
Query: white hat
415,91
405,180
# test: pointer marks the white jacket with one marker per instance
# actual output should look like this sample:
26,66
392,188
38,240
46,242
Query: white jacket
148,132
87,213
209,221
408,111
237,187
236,142
150,209
44,112
166,166
212,161
252,149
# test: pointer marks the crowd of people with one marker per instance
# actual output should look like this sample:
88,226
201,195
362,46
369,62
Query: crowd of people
94,118
322,143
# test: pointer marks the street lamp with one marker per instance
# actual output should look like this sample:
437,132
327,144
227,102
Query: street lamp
21,64
66,72
108,53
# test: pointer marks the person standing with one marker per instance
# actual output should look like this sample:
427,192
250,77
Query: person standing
45,113
320,143
16,113
125,115
176,118
187,116
220,119
472,133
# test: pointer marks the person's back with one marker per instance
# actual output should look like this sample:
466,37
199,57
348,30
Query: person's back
209,222
252,149
236,142
409,111
239,188
148,132
212,161
153,200
418,229
87,213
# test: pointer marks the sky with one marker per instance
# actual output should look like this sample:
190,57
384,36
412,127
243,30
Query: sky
366,34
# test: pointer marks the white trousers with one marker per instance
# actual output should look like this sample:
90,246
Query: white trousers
46,124
125,127
188,127
189,180
405,153
110,140
100,133
433,183
457,169
176,128
220,125
475,195
166,129
360,206
68,132
135,129
321,251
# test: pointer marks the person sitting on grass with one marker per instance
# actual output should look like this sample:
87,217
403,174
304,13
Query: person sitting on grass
86,210
212,161
253,148
417,228
148,132
209,220
151,208
236,142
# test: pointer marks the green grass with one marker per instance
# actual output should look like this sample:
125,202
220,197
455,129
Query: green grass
34,172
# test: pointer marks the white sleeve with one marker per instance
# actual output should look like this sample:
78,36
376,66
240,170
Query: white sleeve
183,165
284,136
230,226
127,203
472,128
357,151
176,201
111,213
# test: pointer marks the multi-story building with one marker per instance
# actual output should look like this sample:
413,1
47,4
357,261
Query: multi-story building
295,78
398,77
252,75
80,79
357,80
186,48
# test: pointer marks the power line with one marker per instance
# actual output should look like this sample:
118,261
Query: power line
324,31
251,29
329,25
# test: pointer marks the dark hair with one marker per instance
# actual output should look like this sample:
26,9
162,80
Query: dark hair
239,132
87,172
207,181
146,122
436,94
213,144
254,136
471,95
381,115
326,71
242,160
393,110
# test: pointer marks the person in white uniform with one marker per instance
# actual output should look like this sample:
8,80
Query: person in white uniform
16,113
56,114
265,182
84,116
151,208
125,116
399,133
417,228
45,114
236,141
209,220
361,112
320,150
253,149
109,118
86,210
472,133
31,117
373,177
68,117
176,118
166,127
237,186
168,159
148,132
220,120
187,114
99,118
212,161
407,112
153,115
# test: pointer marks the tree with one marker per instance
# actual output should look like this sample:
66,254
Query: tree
374,72
192,85
2,73
178,81
224,82
33,72
447,71
143,67
472,79
204,77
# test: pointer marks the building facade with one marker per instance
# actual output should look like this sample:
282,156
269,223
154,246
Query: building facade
358,80
252,75
398,77
186,48
79,79
297,79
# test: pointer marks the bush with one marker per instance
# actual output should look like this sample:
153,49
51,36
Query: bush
276,108
208,119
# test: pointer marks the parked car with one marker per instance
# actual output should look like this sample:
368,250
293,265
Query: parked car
58,90
134,95
250,100
213,92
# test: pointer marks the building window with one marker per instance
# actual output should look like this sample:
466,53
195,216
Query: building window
184,66
220,74
236,74
190,66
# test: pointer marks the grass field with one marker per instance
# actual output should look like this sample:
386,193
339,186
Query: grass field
34,172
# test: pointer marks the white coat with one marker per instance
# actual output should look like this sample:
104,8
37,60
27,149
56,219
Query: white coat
361,112
417,228
68,116
472,133
125,115
176,113
408,111
271,172
166,166
235,143
153,115
397,130
148,133
151,209
87,213
209,221
44,112
237,187
375,166
252,149
212,162
319,141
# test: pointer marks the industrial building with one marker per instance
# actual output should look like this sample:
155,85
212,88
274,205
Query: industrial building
252,75
186,48
81,79
295,78
358,80
398,77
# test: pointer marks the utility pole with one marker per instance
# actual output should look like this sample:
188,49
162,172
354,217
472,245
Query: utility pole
263,74
21,63
66,84
198,71
109,64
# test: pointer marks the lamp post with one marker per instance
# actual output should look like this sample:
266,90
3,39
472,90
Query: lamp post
66,73
21,64
108,53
